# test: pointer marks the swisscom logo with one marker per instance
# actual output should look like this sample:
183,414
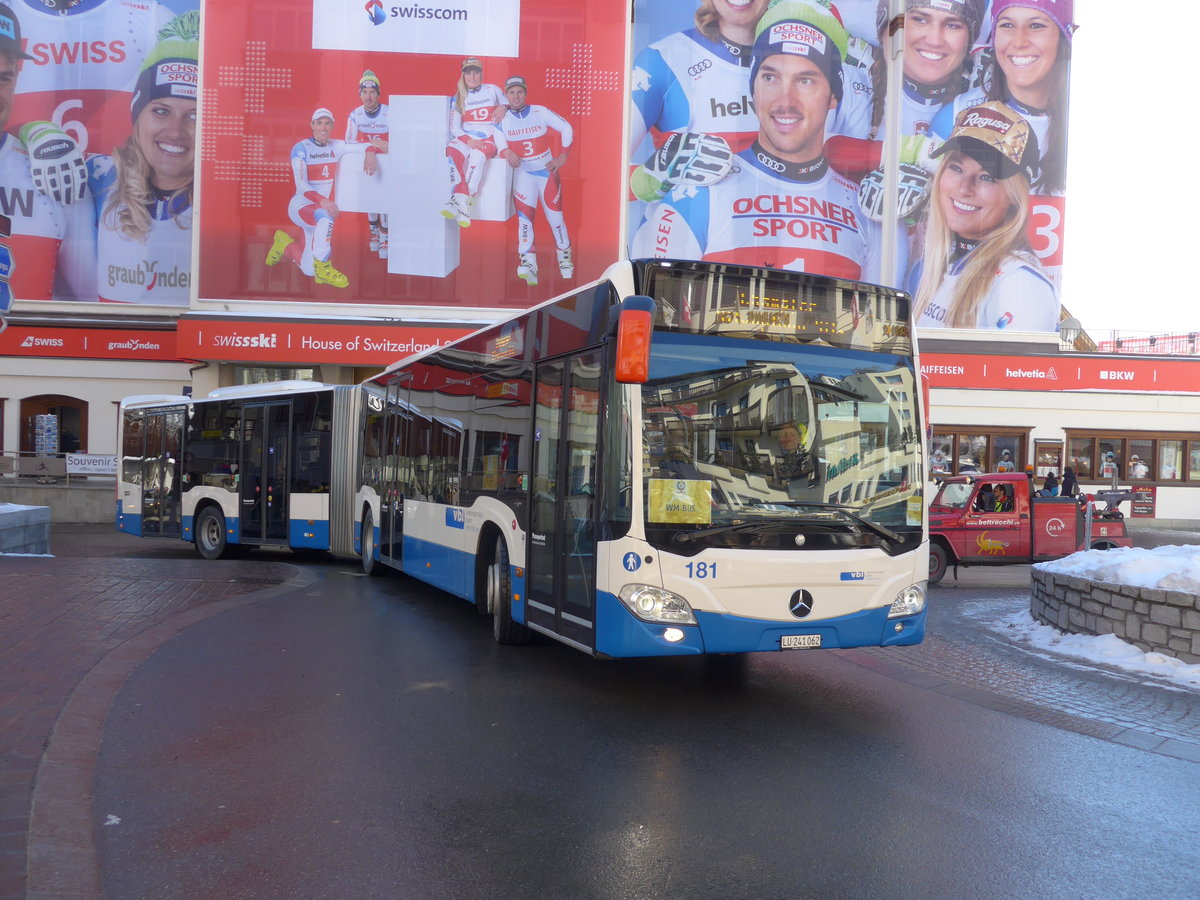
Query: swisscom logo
375,12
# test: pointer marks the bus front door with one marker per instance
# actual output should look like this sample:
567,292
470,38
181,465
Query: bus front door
160,474
264,486
562,548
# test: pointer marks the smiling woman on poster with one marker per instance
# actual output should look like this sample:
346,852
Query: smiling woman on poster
143,192
977,270
1032,52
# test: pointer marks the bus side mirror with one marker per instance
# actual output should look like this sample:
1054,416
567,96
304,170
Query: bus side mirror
635,325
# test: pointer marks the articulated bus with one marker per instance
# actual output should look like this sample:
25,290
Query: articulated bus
680,458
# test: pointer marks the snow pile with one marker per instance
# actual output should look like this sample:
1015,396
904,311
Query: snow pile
1107,650
1170,568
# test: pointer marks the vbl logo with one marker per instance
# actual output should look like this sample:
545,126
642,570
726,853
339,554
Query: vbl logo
455,518
375,12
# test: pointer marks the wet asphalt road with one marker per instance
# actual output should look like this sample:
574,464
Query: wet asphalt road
357,737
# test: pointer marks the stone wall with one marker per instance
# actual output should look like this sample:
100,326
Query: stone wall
24,529
75,504
1150,619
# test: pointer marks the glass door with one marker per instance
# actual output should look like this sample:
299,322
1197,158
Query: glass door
160,474
265,447
562,547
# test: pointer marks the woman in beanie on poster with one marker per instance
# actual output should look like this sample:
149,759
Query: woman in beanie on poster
977,270
1030,56
143,192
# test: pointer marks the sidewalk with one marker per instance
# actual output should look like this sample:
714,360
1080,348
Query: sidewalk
60,616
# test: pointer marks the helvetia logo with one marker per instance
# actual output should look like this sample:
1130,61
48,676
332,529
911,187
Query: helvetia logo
375,12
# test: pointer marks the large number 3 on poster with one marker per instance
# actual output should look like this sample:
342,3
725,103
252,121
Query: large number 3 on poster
1046,229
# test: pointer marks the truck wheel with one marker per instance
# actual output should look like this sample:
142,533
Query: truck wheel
1103,545
937,563
210,534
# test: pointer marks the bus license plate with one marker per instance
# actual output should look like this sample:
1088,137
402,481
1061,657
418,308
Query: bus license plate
799,641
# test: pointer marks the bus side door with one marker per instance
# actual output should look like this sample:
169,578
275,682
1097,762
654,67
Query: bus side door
264,486
562,534
161,489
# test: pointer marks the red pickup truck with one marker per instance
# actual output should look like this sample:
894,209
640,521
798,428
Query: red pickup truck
994,520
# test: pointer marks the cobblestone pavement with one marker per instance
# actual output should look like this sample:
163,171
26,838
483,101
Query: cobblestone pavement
59,617
970,653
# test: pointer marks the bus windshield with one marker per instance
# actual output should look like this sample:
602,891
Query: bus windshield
775,440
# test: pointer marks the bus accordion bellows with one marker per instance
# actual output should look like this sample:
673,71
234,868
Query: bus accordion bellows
680,458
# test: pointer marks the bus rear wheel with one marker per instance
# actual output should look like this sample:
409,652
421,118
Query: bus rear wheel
499,599
371,566
211,542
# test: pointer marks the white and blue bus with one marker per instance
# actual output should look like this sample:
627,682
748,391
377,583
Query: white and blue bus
680,458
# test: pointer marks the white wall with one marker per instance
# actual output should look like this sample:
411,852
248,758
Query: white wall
100,383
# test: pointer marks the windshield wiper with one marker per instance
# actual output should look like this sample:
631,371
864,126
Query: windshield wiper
882,530
684,537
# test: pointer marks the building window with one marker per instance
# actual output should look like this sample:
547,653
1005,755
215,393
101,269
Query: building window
966,450
265,374
1134,458
1170,460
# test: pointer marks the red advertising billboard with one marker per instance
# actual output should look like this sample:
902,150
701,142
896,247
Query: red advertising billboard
456,155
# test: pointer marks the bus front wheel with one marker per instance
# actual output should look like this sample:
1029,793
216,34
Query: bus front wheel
499,600
210,534
371,566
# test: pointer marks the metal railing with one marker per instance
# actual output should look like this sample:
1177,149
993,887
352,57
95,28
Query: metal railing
28,467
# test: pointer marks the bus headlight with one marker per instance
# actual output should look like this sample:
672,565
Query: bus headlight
909,601
653,604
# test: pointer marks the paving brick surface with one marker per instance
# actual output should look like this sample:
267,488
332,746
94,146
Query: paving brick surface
60,616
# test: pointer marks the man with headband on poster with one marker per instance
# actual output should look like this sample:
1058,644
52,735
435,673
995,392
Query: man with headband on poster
782,206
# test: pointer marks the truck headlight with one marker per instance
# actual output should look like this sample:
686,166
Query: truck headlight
909,601
654,604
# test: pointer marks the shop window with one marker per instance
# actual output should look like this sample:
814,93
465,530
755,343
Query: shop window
1047,458
1170,459
1111,459
266,374
1079,456
940,462
966,451
1134,458
972,451
1006,454
1141,455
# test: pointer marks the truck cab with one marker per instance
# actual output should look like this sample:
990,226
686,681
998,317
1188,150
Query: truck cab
997,519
